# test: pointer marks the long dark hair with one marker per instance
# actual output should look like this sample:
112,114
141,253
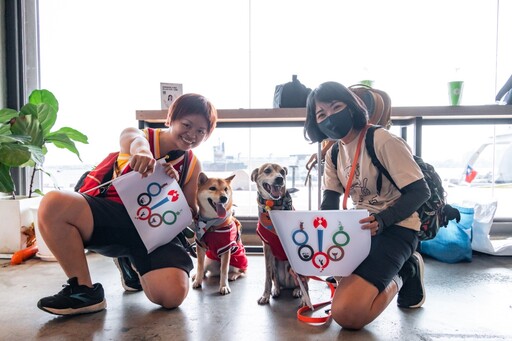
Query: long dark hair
326,93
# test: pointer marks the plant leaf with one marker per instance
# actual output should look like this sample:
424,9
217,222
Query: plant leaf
38,191
47,108
46,97
37,155
13,154
47,117
63,141
72,134
43,113
28,124
6,183
14,138
7,114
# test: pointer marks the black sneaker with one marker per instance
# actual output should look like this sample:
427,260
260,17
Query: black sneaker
129,277
332,280
74,299
412,294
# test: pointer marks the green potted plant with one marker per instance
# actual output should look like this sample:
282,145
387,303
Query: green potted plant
24,136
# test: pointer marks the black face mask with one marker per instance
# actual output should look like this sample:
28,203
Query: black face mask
337,125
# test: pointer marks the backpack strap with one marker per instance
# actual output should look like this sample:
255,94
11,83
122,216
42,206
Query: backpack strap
151,136
335,150
184,170
373,156
189,164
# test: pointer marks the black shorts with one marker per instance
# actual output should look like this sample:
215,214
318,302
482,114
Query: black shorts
388,252
114,235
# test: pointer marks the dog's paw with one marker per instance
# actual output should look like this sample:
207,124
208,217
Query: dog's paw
264,299
297,293
276,292
224,290
234,276
303,302
196,284
197,281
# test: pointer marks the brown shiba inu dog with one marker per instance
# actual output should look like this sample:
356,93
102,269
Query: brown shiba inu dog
270,179
218,234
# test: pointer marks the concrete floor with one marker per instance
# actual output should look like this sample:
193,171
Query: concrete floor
470,301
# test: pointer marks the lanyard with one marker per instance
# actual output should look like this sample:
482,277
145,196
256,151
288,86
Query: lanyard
355,161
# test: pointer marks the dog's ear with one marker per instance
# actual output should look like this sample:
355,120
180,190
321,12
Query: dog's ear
285,171
228,179
254,174
202,178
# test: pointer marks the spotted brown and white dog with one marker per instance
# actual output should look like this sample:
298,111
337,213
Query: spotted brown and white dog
270,179
218,234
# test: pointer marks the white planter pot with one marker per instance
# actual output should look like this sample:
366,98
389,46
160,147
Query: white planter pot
13,215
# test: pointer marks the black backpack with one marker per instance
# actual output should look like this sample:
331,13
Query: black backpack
435,212
291,95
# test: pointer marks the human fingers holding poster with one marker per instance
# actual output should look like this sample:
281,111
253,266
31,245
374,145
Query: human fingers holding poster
156,204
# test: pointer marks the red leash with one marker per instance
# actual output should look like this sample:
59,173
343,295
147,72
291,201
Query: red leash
317,319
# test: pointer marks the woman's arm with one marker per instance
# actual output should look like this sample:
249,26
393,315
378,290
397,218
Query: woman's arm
190,188
330,200
413,196
133,142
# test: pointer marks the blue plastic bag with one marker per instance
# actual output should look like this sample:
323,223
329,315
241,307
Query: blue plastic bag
453,243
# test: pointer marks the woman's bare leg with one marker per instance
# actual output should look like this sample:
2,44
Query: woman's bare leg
167,287
358,302
65,222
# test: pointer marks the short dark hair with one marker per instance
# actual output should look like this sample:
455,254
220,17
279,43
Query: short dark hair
326,93
192,103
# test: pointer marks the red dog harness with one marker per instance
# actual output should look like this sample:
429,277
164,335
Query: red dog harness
218,240
265,228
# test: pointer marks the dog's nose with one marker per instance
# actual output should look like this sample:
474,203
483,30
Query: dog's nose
279,180
223,199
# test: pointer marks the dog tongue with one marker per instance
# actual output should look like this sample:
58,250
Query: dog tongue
221,211
276,191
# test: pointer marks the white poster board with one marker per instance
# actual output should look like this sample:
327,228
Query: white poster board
169,92
323,243
156,205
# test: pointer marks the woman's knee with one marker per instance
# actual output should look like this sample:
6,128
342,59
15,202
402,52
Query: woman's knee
348,308
60,208
168,292
347,318
48,209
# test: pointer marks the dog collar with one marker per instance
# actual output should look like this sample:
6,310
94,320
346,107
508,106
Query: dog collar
204,224
268,204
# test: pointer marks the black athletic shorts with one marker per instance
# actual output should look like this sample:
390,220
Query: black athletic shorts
114,235
388,252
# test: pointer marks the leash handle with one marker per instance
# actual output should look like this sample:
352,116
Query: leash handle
316,319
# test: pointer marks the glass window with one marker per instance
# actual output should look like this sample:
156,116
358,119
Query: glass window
474,164
242,150
105,59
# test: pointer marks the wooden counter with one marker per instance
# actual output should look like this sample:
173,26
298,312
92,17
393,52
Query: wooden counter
478,112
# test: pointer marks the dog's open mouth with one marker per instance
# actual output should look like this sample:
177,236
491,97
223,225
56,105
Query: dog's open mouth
218,207
273,190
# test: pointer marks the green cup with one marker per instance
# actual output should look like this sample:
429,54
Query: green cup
367,82
455,92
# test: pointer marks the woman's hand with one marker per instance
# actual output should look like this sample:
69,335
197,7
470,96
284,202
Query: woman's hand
370,223
171,171
142,163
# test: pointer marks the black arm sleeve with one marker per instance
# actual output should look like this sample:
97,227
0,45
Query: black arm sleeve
330,200
413,196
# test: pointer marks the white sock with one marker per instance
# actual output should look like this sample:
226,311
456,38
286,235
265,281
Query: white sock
399,282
